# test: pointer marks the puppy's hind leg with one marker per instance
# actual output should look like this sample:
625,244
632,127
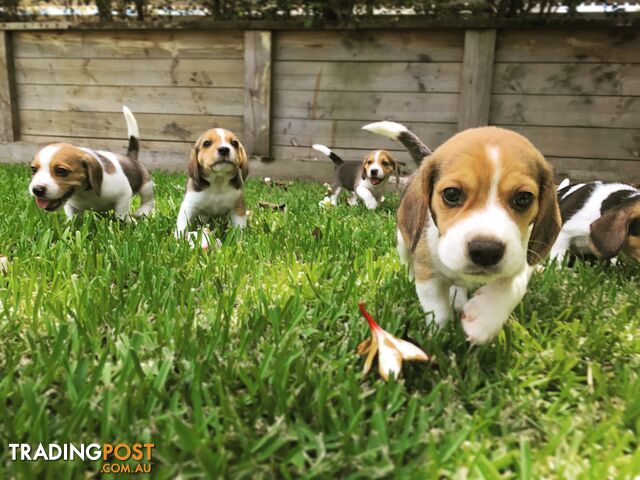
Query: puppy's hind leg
335,195
147,198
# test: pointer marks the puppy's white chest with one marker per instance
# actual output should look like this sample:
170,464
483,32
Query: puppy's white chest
214,200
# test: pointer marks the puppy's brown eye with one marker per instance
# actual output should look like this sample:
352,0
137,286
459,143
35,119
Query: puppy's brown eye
207,143
235,144
634,228
61,172
385,163
33,169
452,196
521,201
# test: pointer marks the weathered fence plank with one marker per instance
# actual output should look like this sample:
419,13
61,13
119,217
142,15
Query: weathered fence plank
130,44
121,72
382,45
477,74
368,76
365,106
112,125
8,101
568,45
575,110
257,97
203,101
567,78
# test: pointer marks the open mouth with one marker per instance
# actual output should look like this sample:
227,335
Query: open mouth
51,205
375,181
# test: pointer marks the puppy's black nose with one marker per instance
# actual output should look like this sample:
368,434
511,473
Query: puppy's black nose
373,172
39,190
485,252
223,151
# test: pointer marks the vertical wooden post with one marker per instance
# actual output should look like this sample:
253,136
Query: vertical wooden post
477,75
8,101
257,97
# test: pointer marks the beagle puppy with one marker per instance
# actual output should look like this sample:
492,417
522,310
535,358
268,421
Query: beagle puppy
367,179
477,214
217,170
84,179
599,218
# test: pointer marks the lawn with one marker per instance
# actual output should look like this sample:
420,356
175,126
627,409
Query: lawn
241,362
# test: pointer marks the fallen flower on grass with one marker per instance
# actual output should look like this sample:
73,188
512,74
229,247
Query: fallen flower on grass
325,202
4,265
391,350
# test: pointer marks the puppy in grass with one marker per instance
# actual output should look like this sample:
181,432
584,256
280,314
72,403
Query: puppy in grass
217,169
79,178
366,180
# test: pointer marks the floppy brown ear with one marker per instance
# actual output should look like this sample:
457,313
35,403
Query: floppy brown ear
416,201
364,168
94,173
243,162
548,222
193,168
396,169
243,168
609,232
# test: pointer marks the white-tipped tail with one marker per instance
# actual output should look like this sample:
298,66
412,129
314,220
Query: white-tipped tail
322,149
564,183
386,129
132,125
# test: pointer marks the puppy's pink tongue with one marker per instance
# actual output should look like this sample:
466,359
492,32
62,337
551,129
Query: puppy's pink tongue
42,203
375,181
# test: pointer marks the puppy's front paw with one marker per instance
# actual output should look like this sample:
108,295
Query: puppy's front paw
483,317
371,204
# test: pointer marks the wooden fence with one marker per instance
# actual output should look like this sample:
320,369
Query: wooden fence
574,91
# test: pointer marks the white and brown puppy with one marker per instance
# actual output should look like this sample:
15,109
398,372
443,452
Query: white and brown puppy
600,218
217,170
84,179
367,179
477,214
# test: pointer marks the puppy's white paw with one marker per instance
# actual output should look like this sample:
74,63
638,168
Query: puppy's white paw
371,204
483,316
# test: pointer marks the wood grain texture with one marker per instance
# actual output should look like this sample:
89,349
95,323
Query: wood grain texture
257,97
587,169
569,45
477,75
111,144
368,76
122,72
129,44
364,106
593,143
112,125
374,45
587,111
166,100
349,134
9,131
567,78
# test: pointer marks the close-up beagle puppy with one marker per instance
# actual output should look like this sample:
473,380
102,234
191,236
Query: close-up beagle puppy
217,169
478,213
599,218
84,179
367,179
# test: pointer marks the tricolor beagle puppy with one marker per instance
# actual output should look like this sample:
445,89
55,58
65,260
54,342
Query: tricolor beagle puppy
217,170
598,218
477,214
367,179
84,179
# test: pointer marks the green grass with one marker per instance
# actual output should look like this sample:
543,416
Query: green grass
241,361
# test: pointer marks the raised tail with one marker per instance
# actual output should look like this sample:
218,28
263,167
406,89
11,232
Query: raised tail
329,153
402,134
132,132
